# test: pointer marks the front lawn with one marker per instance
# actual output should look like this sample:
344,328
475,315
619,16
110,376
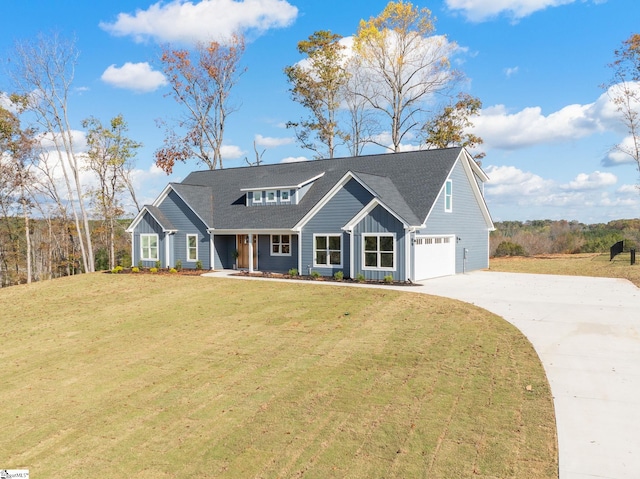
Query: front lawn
153,376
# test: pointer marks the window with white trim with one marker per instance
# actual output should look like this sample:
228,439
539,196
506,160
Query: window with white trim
284,196
448,196
271,196
327,250
192,247
257,196
379,251
280,245
149,247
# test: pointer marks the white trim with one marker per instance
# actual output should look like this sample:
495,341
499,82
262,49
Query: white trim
139,217
328,250
212,252
149,235
379,252
288,192
280,243
368,208
275,196
190,235
253,196
448,182
158,201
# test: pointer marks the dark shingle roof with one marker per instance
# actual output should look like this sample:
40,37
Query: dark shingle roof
159,216
407,182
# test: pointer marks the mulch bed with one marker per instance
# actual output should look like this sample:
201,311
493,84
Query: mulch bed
267,274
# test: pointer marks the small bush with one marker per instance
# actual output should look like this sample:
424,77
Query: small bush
178,265
338,275
315,274
198,265
360,278
293,272
153,270
117,269
135,269
173,271
507,248
388,279
158,265
140,265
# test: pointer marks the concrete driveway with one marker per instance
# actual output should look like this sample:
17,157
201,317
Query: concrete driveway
587,334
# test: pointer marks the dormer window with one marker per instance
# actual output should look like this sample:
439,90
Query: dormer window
284,195
257,196
271,196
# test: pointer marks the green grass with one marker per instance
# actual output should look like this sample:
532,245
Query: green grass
152,376
572,265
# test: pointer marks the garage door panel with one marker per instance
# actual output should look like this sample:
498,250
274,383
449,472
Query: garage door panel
434,256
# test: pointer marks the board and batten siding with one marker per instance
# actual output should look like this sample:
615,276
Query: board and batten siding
341,208
148,225
224,246
465,221
380,221
277,263
187,223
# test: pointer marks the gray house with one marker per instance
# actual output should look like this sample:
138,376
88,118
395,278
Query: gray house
412,215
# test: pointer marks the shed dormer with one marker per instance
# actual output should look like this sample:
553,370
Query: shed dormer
266,194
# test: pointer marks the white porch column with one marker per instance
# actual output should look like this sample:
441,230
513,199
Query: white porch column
212,252
250,252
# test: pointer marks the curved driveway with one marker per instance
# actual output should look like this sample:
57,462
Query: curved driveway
587,334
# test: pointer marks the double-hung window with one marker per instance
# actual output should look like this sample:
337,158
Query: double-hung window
257,196
379,251
284,195
271,196
280,245
149,247
327,250
448,196
192,247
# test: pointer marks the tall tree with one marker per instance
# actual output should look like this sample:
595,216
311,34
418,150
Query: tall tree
42,73
111,154
201,81
317,83
404,66
451,126
624,90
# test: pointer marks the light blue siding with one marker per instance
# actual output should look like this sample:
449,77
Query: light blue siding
466,222
224,246
344,205
148,225
279,264
187,223
380,221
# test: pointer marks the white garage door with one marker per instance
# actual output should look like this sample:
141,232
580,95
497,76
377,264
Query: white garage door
434,256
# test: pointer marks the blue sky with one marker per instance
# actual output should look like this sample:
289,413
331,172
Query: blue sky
536,65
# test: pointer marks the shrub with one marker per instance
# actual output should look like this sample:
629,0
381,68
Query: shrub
315,274
158,265
178,265
293,272
140,265
153,270
338,275
116,270
135,269
360,278
388,279
507,248
198,265
173,271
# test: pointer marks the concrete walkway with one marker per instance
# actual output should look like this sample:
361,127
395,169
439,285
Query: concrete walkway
587,334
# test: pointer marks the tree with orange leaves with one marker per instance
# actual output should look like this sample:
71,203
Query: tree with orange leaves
201,81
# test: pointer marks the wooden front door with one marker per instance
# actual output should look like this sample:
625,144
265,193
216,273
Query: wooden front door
243,251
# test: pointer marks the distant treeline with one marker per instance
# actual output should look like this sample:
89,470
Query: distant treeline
527,238
54,248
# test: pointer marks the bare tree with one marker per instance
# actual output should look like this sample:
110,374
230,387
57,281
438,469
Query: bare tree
42,73
201,81
404,66
624,90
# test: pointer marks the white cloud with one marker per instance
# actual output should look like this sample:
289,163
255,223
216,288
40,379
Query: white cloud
510,71
231,152
270,142
294,159
511,182
591,181
139,77
188,22
482,10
